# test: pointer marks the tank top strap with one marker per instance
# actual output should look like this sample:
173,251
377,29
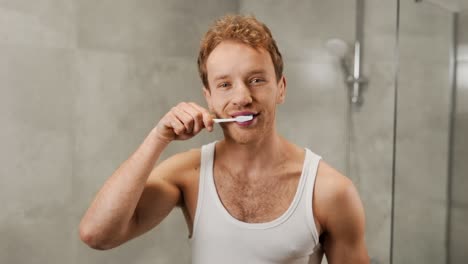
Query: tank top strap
313,164
207,156
206,165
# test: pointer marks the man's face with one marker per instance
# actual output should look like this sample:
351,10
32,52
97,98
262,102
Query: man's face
242,81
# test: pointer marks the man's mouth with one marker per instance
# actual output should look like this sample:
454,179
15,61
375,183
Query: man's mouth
246,123
245,113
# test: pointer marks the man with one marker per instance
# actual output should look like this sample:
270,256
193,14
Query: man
253,197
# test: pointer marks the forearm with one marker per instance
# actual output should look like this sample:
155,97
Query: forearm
113,207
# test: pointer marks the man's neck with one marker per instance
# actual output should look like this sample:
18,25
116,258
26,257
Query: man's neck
253,157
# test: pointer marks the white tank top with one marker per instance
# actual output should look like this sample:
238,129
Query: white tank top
218,237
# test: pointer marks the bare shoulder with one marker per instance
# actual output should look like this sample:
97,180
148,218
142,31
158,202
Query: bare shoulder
177,168
334,195
330,182
341,217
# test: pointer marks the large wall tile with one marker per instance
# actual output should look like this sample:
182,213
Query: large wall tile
423,129
460,145
371,139
458,233
379,31
419,229
36,138
45,23
155,28
309,24
421,162
422,151
462,36
459,184
372,125
425,32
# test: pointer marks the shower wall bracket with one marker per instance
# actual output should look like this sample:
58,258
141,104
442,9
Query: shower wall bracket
355,81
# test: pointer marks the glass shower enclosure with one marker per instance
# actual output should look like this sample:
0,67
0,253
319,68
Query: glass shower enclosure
430,195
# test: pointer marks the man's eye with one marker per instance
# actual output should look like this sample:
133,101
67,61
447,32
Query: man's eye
223,85
256,80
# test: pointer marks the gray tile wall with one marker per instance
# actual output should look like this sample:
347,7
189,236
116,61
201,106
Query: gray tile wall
423,114
372,126
36,82
459,195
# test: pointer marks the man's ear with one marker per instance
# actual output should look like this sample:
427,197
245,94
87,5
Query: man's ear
281,95
207,95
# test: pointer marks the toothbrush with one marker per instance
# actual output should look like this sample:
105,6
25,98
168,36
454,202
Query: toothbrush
239,119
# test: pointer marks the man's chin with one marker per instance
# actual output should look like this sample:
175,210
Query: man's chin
242,138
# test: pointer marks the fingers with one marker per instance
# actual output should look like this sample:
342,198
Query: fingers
184,118
207,117
190,118
195,115
175,124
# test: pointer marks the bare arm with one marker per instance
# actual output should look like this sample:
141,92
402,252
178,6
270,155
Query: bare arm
345,240
131,202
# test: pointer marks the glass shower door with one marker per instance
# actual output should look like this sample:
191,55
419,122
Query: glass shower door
428,198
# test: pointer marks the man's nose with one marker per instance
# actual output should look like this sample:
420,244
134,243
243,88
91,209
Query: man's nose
242,94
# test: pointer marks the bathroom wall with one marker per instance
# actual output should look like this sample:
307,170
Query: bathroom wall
422,139
37,80
459,198
372,125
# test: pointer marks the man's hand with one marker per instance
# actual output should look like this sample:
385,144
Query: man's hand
183,122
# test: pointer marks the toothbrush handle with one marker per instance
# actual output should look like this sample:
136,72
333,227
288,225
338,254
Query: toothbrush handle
222,120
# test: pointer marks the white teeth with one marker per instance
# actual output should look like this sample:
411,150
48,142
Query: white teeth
242,119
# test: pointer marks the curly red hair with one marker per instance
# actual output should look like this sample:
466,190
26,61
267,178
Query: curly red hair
244,29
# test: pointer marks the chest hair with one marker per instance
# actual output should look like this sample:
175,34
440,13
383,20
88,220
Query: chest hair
256,201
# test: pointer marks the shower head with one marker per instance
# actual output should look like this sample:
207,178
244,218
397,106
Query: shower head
337,47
